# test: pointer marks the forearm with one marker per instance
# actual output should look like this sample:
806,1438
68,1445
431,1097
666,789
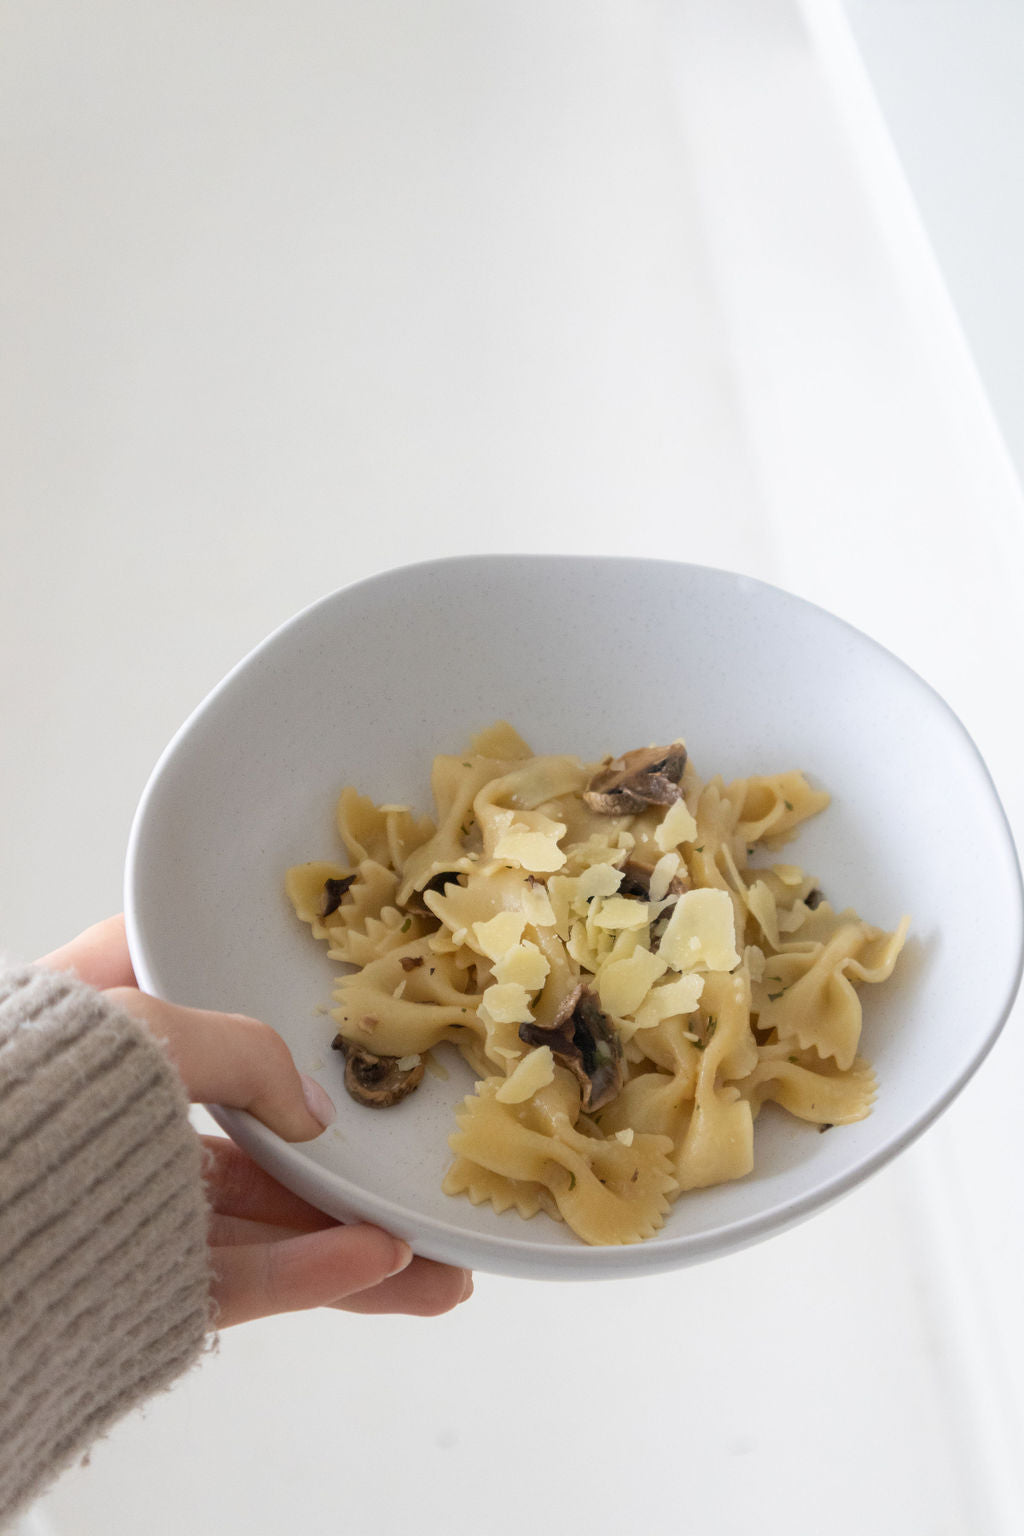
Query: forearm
104,1279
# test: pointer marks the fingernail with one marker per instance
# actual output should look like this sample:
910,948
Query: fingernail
319,1103
403,1258
468,1291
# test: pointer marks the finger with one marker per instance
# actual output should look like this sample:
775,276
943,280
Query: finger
236,1186
227,1059
99,956
317,1269
249,1206
425,1289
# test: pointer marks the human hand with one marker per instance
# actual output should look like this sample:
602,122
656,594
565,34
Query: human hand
270,1252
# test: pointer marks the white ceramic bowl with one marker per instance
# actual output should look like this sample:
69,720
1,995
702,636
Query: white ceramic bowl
584,656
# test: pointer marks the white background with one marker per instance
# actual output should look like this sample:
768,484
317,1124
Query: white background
290,294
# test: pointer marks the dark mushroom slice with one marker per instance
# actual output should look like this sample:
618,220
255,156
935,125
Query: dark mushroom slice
627,785
636,881
415,902
583,1039
333,891
814,899
376,1081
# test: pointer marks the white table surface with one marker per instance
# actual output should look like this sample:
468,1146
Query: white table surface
292,294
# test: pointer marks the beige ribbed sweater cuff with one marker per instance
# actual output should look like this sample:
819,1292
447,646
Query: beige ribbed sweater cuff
104,1277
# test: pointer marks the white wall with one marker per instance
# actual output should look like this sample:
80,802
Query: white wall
290,295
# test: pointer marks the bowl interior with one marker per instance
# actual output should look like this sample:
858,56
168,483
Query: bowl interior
583,656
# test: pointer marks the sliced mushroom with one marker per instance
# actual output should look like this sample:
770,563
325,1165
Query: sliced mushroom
814,899
582,1039
437,883
377,1081
333,891
628,784
636,880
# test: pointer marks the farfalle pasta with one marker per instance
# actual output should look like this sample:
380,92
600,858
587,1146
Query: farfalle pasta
613,951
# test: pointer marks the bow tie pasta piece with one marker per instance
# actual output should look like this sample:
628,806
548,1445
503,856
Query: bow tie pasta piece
808,995
771,807
395,1011
481,1186
812,1093
365,923
489,893
385,833
605,1191
628,989
522,791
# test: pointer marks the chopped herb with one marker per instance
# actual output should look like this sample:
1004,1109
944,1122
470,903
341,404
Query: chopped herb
572,1185
827,1126
406,925
467,765
794,1060
709,1030
700,849
788,804
773,997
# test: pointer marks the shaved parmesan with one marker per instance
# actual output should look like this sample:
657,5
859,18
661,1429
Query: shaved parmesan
662,875
670,1000
535,1071
500,934
524,965
537,907
701,933
789,874
620,912
623,984
755,960
596,880
531,841
676,826
507,1003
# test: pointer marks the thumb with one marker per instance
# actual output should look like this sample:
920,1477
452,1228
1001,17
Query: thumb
226,1058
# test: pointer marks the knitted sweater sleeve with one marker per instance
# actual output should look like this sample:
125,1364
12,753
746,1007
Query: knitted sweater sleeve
104,1277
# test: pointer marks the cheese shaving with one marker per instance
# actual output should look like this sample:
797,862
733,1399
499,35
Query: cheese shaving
507,1003
500,934
620,912
677,826
701,933
535,1071
523,965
